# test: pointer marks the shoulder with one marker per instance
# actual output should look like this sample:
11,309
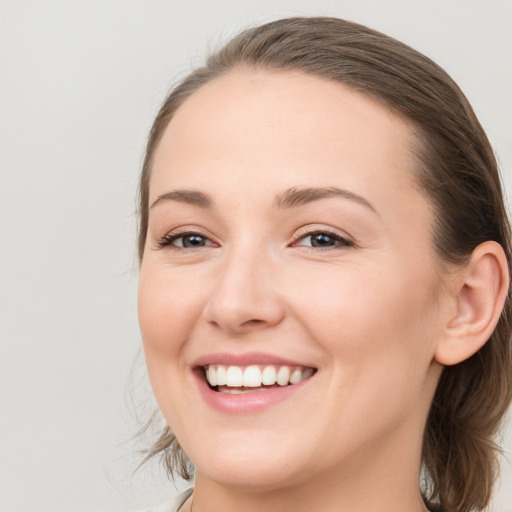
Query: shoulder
173,505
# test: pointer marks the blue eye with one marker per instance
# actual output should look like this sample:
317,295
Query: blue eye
189,241
186,241
323,240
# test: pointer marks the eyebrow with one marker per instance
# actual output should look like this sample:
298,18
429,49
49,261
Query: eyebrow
193,197
290,198
298,196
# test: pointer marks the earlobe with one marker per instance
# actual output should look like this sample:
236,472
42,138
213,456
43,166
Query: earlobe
479,294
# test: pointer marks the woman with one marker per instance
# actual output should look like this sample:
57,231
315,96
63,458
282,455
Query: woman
325,261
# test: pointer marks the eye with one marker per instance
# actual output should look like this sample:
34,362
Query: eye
323,240
189,240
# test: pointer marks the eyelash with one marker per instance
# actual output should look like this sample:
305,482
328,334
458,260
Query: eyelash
170,238
341,242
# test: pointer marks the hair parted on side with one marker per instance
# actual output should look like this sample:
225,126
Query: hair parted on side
458,173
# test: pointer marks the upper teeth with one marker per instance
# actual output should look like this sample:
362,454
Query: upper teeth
254,376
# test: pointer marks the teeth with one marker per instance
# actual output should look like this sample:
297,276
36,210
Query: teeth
234,377
221,375
211,376
283,375
238,391
254,376
269,376
295,377
307,373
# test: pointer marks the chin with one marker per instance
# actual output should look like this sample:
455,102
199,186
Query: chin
250,477
250,467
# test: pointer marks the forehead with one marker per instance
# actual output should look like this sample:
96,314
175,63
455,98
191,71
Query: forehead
283,126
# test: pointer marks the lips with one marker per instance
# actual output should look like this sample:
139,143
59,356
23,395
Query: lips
249,383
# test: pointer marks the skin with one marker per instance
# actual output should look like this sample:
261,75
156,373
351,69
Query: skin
367,313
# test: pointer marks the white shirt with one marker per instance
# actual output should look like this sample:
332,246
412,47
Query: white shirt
174,505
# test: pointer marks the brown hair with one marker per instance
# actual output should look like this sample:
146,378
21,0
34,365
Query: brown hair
457,171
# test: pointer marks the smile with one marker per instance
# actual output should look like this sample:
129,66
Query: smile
254,378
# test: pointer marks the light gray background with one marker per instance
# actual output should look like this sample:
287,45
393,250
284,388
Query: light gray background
80,83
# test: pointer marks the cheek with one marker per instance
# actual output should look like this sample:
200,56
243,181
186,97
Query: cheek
166,316
377,332
369,316
168,310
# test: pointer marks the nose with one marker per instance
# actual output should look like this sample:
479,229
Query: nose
245,297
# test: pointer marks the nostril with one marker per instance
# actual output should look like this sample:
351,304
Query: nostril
253,322
243,327
252,325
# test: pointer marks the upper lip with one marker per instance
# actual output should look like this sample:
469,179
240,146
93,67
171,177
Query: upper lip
253,358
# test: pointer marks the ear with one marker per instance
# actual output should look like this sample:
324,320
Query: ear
478,295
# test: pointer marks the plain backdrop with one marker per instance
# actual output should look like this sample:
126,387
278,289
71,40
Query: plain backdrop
80,83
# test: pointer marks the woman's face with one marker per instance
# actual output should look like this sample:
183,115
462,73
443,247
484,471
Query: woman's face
286,231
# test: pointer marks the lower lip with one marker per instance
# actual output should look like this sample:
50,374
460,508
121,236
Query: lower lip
245,403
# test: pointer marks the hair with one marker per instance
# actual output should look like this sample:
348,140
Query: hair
458,173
